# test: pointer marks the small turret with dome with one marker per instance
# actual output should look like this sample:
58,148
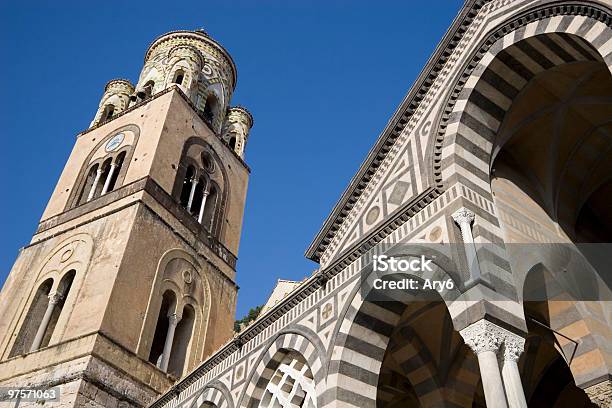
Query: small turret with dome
116,99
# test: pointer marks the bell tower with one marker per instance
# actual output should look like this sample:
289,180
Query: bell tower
129,280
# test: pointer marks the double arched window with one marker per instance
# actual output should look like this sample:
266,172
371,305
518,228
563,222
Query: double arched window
102,177
172,336
200,195
42,316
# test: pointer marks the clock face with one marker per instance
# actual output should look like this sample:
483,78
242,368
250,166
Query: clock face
114,143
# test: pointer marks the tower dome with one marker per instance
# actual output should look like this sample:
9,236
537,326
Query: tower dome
200,66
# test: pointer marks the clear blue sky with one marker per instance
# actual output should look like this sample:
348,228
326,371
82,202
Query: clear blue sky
322,78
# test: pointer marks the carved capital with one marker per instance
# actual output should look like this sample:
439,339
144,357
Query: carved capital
600,394
483,336
173,319
463,216
55,298
514,346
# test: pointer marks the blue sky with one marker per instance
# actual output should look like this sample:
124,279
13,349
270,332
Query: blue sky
322,78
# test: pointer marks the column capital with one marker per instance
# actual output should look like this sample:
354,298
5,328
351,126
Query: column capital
483,336
463,216
173,318
514,345
600,394
55,298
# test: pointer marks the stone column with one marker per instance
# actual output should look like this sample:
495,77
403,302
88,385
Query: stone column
94,186
201,215
600,394
111,172
485,339
54,299
464,218
173,320
514,346
194,183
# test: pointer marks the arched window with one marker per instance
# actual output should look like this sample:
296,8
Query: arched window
182,338
33,319
291,385
186,187
179,75
45,311
89,182
111,179
99,186
232,142
210,108
166,312
63,290
108,112
198,197
102,179
209,208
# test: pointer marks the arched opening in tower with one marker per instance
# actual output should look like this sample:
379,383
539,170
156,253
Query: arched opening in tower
182,340
167,307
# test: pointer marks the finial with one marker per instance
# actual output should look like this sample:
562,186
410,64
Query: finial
202,31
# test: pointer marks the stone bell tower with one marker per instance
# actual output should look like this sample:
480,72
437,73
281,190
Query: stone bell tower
129,280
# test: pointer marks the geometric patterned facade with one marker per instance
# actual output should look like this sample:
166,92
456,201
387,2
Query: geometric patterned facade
440,166
504,140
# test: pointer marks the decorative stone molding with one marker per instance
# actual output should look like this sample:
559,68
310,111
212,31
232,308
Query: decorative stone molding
514,346
463,216
600,394
173,319
486,336
55,298
483,336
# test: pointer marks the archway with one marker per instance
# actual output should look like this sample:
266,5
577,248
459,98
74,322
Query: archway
288,373
551,168
531,126
401,348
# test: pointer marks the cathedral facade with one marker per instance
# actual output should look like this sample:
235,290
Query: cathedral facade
495,172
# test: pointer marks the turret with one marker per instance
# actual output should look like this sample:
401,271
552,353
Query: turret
236,127
116,99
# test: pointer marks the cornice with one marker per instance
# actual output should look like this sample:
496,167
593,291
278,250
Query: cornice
410,103
394,127
118,81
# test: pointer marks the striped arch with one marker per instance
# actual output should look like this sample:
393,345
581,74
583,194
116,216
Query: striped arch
270,359
364,335
584,322
215,394
509,58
